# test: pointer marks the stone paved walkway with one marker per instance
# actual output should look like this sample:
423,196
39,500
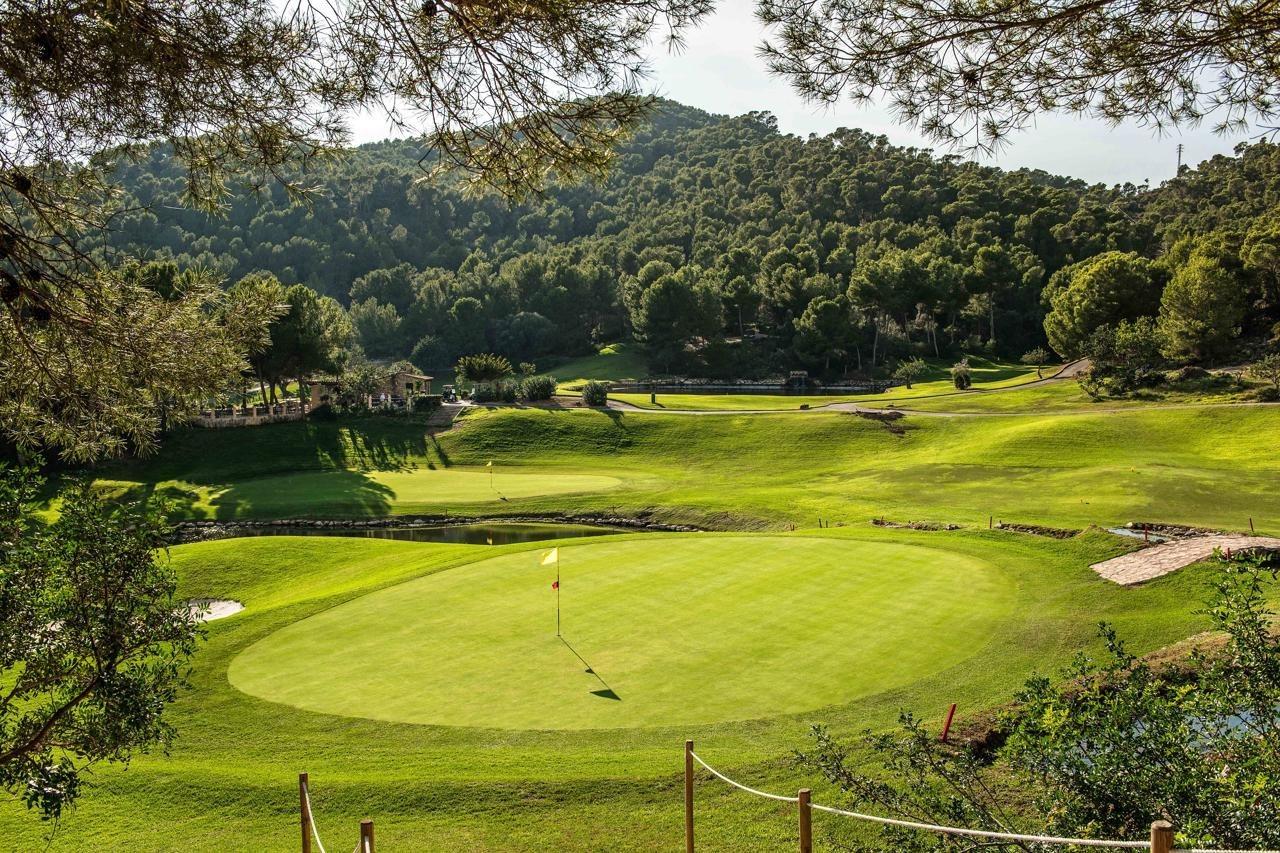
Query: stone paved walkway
1148,563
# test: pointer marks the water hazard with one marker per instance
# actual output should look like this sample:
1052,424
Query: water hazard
479,533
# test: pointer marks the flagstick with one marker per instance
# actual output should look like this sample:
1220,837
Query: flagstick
557,593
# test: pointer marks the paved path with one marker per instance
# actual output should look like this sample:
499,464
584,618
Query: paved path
1158,560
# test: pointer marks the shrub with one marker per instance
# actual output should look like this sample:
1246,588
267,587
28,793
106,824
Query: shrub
538,387
483,368
494,392
960,375
595,393
1186,374
423,403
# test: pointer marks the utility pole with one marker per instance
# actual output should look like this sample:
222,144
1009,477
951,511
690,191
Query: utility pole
1179,171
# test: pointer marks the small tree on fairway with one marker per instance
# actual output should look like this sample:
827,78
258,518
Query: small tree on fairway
1267,369
910,370
1037,358
93,645
960,375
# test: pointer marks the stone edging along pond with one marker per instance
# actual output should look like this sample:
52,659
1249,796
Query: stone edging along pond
201,530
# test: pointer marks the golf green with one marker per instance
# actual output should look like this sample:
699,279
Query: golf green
657,631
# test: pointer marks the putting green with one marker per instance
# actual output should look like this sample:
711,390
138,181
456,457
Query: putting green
675,630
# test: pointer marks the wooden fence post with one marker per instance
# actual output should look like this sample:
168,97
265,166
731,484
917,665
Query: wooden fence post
806,821
366,836
304,812
1161,837
688,796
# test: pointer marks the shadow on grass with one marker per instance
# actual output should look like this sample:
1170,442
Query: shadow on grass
345,494
305,468
606,692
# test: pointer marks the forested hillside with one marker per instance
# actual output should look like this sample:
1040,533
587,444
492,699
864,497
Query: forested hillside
839,254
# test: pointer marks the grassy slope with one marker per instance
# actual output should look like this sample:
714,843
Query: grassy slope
229,783
614,362
936,381
1214,466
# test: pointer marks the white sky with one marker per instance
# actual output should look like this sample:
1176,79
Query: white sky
718,71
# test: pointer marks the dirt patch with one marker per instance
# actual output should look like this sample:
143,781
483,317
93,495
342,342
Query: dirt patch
887,418
1039,530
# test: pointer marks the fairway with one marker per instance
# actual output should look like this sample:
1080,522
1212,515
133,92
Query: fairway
676,630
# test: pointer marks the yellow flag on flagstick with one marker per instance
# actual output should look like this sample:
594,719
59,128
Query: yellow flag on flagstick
551,556
489,464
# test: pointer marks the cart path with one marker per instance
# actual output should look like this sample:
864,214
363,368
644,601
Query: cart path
1158,560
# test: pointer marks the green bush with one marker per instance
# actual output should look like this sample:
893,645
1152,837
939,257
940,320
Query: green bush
424,403
538,387
595,393
494,392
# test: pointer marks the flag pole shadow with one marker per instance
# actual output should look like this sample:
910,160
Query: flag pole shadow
607,692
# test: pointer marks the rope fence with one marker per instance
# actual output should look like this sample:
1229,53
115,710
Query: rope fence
310,830
1161,840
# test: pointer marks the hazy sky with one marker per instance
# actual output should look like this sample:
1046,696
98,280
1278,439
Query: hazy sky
719,71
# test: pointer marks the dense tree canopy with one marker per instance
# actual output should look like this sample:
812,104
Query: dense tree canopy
773,222
1103,290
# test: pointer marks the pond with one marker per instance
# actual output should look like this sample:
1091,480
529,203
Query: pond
478,533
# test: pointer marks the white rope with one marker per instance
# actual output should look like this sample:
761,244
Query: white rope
945,830
982,833
720,775
311,817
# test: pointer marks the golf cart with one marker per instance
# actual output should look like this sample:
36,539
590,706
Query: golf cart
449,394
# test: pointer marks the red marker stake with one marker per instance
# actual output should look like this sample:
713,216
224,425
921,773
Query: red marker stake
946,727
